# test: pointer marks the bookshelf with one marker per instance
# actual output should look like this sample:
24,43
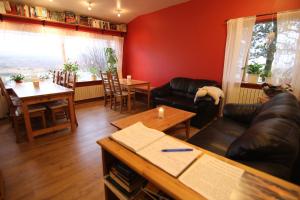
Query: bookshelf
112,152
59,24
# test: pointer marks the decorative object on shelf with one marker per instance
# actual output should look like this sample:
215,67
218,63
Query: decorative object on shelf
161,113
71,67
266,76
271,90
94,71
70,17
253,71
57,16
111,59
18,78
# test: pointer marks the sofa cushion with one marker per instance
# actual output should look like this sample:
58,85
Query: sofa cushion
181,103
218,136
180,84
273,140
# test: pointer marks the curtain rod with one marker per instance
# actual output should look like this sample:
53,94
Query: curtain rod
260,15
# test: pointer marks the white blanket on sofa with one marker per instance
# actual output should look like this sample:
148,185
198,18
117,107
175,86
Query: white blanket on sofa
215,92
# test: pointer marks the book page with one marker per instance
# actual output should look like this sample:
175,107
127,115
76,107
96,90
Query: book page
212,178
173,163
136,136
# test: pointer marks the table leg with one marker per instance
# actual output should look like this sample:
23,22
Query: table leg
129,99
188,128
26,116
148,95
72,112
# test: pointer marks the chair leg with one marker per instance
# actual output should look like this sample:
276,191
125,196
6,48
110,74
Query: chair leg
121,104
44,120
53,116
16,128
115,102
105,99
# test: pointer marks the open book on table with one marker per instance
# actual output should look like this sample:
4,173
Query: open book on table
148,143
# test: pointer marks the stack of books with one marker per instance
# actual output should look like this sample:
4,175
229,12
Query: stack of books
125,179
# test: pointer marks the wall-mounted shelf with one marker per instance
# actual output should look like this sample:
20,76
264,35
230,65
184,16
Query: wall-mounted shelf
46,22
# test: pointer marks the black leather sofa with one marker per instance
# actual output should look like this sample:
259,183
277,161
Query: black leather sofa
263,136
180,93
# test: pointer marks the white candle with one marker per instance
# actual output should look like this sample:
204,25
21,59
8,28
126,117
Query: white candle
161,112
128,77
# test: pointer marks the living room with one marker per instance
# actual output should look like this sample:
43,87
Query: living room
173,99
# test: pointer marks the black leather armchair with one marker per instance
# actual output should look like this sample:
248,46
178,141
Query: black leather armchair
180,93
263,136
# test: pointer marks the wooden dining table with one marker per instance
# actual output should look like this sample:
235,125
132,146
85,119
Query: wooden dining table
130,85
45,92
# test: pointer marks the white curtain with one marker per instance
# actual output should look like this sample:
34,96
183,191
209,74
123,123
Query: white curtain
239,34
286,64
33,47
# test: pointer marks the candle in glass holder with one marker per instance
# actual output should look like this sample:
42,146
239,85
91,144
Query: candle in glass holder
35,81
128,77
161,113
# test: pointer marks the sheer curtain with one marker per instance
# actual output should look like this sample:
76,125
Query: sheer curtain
286,64
239,34
27,48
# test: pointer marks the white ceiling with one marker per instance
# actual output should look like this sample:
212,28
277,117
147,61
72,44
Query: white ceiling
107,9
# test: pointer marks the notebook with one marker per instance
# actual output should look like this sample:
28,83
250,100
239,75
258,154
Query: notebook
173,163
212,178
137,136
148,143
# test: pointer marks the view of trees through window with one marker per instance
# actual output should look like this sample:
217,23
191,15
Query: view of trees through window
263,45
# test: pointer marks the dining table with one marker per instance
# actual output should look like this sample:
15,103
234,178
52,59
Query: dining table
45,91
130,85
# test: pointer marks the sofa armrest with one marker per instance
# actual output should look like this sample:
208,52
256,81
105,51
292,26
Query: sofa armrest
241,112
161,91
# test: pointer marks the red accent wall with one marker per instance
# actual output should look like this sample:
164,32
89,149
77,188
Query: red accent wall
187,39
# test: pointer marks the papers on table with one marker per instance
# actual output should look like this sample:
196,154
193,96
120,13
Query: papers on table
212,178
173,163
148,143
137,136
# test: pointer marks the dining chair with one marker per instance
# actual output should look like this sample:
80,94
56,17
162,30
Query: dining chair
16,114
60,109
62,80
56,76
108,92
120,94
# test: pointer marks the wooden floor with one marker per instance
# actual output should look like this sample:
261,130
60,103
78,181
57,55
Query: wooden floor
60,165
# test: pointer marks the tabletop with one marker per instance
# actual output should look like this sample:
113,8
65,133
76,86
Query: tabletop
173,116
27,89
124,81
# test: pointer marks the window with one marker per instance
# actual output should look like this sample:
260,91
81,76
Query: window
262,50
34,49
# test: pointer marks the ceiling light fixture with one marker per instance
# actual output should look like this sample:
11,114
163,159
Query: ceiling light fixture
119,13
90,6
50,0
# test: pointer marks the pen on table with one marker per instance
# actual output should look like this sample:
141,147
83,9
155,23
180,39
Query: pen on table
177,150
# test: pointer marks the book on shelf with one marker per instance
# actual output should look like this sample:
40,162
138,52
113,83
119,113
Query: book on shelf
84,20
57,16
2,8
32,12
154,193
41,12
70,17
26,10
95,23
148,143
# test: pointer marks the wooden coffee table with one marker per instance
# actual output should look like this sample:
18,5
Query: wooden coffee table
150,119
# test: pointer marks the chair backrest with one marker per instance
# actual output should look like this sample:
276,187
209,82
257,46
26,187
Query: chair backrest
71,80
105,76
116,83
56,76
5,93
62,78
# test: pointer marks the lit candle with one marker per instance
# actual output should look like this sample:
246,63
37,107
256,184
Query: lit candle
161,113
128,77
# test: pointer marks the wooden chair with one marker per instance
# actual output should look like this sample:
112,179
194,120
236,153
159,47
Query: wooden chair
16,114
120,94
108,92
62,80
60,109
56,77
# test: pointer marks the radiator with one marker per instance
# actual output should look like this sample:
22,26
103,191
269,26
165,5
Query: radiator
249,95
88,92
